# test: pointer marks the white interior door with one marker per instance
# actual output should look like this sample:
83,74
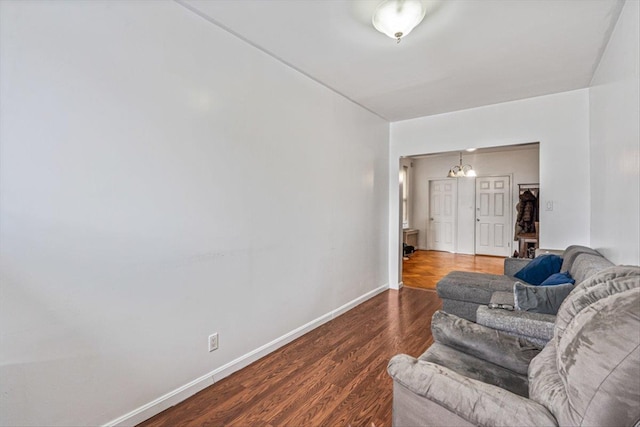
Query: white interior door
442,214
493,216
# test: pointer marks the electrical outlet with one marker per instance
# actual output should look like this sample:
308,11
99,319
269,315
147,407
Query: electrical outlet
213,342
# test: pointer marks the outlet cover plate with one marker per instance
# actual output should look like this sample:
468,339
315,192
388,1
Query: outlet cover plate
213,342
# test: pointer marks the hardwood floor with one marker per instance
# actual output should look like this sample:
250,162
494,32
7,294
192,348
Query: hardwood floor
423,269
336,374
333,376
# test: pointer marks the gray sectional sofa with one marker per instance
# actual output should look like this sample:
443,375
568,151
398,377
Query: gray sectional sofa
467,294
587,374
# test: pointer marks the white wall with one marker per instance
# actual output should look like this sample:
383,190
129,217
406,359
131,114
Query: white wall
560,122
521,164
162,180
615,143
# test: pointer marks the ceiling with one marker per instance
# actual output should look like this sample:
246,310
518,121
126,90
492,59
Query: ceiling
465,54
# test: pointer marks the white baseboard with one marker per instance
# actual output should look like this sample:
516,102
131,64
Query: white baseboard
181,393
170,399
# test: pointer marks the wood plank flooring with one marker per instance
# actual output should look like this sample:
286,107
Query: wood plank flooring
336,374
333,376
423,269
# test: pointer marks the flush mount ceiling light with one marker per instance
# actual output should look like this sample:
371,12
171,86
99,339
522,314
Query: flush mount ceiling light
396,18
460,171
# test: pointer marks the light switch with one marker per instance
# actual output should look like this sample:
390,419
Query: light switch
550,205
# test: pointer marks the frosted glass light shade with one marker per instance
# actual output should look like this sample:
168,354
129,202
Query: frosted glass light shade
396,18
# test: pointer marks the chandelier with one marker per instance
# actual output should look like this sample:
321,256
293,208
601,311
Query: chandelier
461,171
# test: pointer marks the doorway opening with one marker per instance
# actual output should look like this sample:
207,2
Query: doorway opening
471,216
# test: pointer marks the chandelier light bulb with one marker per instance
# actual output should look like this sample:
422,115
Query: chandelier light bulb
462,171
396,18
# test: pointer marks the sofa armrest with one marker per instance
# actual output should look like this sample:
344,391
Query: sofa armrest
513,265
485,343
476,402
521,323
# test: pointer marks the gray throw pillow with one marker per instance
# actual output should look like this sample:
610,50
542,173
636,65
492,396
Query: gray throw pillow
540,299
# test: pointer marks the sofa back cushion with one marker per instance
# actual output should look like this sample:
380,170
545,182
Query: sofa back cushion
588,374
606,282
599,362
586,265
569,255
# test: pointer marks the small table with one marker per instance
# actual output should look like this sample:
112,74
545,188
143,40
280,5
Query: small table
527,240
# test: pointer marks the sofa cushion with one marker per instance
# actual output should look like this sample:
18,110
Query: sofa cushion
607,282
539,269
473,287
535,327
586,265
558,279
588,374
465,309
487,344
570,254
593,378
603,392
477,369
474,401
540,299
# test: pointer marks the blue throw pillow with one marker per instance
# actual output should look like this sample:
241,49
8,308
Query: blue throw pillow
540,268
558,279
